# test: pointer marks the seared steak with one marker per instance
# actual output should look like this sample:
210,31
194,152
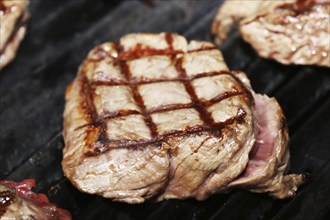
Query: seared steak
17,201
13,15
290,33
154,116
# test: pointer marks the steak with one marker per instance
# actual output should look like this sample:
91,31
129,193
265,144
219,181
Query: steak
14,15
290,33
232,12
17,201
156,117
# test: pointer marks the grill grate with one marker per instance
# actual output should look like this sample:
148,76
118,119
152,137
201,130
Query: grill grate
59,37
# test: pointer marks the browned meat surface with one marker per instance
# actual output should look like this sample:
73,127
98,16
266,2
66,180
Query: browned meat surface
290,32
157,117
13,17
17,201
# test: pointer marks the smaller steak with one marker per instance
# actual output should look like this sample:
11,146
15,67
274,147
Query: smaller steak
297,33
13,16
288,31
17,201
232,12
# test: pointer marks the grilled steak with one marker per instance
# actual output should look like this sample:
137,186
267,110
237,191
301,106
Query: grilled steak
17,201
290,33
13,15
154,116
296,33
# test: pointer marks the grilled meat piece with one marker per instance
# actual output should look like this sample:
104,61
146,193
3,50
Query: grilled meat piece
296,33
14,15
232,12
156,117
290,32
17,201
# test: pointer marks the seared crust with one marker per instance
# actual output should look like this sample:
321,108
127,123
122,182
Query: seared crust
14,15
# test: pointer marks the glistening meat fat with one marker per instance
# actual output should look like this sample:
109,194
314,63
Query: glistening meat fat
157,117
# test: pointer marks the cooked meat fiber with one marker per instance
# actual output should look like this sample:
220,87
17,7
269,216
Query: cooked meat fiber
13,16
17,201
290,32
232,12
296,33
157,117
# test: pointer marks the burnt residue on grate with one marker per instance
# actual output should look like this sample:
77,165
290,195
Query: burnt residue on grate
59,36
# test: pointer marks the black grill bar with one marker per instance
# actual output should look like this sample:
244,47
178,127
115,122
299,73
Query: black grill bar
60,35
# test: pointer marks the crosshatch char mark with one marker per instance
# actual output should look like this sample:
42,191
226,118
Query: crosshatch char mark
128,89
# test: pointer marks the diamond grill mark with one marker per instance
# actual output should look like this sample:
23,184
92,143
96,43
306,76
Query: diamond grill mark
139,99
204,115
103,143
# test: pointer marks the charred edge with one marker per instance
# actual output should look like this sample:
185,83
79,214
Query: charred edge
301,6
169,41
140,52
114,82
6,198
100,145
139,99
156,140
87,92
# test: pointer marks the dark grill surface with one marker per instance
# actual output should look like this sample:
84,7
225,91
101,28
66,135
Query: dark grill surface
60,34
